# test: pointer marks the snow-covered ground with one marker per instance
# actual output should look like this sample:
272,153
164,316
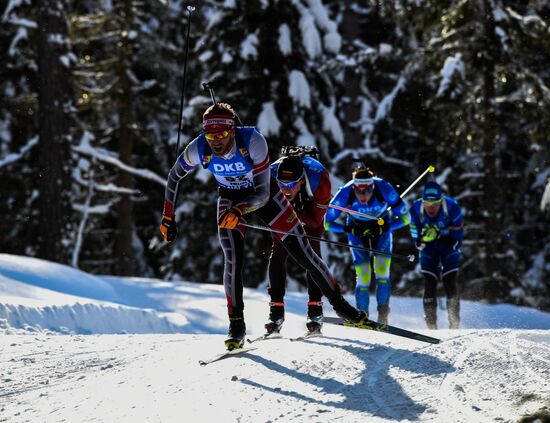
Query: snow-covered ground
76,347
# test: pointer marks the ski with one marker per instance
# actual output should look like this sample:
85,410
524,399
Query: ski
316,334
226,354
379,327
265,337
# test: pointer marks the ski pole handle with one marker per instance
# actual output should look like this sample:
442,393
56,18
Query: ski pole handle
430,169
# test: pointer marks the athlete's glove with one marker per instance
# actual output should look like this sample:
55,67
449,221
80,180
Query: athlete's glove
298,203
298,206
354,230
367,230
419,244
168,228
385,227
230,218
450,242
429,233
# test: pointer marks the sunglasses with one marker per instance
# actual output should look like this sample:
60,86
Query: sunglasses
289,184
211,136
363,189
431,203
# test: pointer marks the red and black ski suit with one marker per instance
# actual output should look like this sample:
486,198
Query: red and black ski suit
310,204
244,181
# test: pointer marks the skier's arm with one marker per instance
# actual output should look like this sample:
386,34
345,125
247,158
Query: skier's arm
313,215
456,225
261,175
332,214
415,226
401,216
399,210
185,164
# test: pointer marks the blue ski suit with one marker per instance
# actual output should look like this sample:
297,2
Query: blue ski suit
442,255
384,196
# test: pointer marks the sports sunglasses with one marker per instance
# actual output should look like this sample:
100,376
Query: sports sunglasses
211,136
431,202
289,184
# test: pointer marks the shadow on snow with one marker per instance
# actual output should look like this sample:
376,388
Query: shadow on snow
377,393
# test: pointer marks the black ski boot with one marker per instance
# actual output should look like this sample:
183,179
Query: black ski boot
453,310
430,312
276,318
383,313
314,324
314,321
236,334
274,326
450,282
346,311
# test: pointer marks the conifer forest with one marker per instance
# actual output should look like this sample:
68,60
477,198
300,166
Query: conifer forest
89,112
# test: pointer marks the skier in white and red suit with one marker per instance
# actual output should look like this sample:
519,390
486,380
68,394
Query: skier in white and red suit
238,158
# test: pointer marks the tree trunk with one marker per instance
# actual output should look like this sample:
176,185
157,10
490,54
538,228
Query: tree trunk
490,183
124,257
352,81
54,95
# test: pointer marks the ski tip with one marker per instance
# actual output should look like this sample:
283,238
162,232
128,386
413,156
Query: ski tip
428,339
431,169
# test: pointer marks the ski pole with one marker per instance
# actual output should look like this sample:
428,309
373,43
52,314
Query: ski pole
409,257
190,9
210,87
380,219
368,216
430,169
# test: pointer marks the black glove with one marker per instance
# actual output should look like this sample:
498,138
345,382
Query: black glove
385,227
354,230
449,241
370,229
301,202
374,229
419,244
298,204
168,228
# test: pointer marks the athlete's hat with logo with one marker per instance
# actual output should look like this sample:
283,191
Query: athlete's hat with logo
432,191
290,168
218,117
363,178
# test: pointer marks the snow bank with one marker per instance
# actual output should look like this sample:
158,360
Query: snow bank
55,277
86,319
40,296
